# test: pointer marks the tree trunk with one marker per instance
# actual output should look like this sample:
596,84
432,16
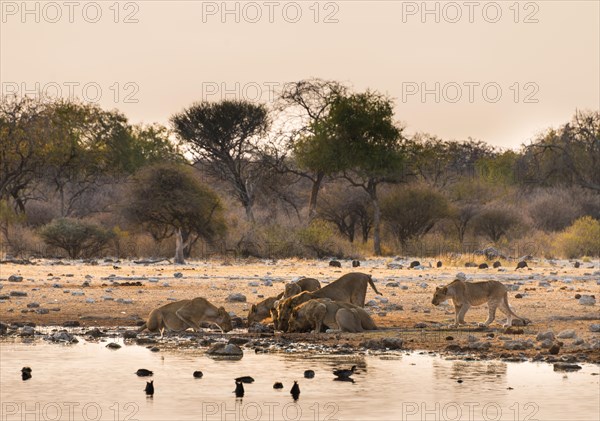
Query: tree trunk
179,246
249,212
314,193
372,190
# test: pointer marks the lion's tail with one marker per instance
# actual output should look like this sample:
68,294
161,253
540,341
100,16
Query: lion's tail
373,285
512,313
142,328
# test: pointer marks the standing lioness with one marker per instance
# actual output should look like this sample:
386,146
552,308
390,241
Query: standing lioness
181,315
467,294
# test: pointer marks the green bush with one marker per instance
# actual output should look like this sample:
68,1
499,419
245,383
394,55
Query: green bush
78,238
580,239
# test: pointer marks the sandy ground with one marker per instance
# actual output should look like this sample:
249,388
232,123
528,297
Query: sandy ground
52,285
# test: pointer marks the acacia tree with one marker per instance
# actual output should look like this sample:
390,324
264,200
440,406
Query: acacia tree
303,105
360,140
167,200
223,135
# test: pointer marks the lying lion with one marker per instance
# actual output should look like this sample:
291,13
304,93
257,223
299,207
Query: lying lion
262,310
314,314
351,288
181,315
465,295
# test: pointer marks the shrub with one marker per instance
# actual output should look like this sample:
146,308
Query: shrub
580,239
554,209
410,212
495,221
78,238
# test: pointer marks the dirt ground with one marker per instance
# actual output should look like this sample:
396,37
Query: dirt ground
405,311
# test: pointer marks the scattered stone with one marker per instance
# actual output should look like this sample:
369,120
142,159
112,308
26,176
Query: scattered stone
259,328
355,263
26,331
554,349
371,303
225,350
33,305
238,341
423,285
522,264
545,335
470,265
253,284
42,311
546,343
394,266
414,264
71,323
130,334
268,283
519,296
15,278
198,374
595,327
278,385
511,330
178,275
61,336
577,296
576,265
449,338
18,294
587,300
404,287
154,349
236,298
439,264
566,334
77,293
309,374
566,367
460,276
420,325
90,300
335,264
483,266
497,264
392,284
384,343
113,345
518,345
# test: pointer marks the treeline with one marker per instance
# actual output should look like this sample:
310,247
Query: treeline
325,171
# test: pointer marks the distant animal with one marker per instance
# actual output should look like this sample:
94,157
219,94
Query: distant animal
181,315
483,266
26,373
198,374
344,373
142,372
309,374
262,310
439,264
465,295
149,388
522,264
239,389
351,288
335,264
245,379
470,265
355,263
295,391
497,264
278,385
414,264
316,314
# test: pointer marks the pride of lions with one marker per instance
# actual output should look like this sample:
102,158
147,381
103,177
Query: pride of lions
305,306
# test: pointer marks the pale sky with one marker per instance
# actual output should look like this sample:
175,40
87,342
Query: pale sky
165,55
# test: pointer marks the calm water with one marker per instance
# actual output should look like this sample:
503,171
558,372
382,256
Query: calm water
90,382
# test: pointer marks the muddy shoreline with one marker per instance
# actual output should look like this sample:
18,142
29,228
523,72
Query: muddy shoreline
110,299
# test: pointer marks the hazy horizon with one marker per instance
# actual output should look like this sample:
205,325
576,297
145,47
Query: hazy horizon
535,74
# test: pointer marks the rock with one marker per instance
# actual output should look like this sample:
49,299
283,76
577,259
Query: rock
130,334
518,296
511,330
238,341
95,333
113,345
587,300
385,343
18,294
522,264
236,298
566,334
15,278
545,335
546,343
61,336
470,265
420,325
335,264
497,264
480,346
178,275
554,349
382,300
268,283
355,263
392,284
309,374
371,303
77,293
394,266
414,264
404,287
595,327
483,266
225,350
71,323
460,276
26,331
577,296
566,367
42,311
237,322
576,265
253,284
518,345
90,300
439,264
423,285
154,349
33,305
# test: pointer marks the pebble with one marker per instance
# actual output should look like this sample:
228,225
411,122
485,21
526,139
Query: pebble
566,334
18,294
78,293
33,305
236,298
587,300
595,327
178,275
15,278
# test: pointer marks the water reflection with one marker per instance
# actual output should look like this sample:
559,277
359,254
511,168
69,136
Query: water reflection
91,378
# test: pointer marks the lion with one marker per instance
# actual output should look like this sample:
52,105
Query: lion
351,288
314,314
262,310
181,315
465,295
